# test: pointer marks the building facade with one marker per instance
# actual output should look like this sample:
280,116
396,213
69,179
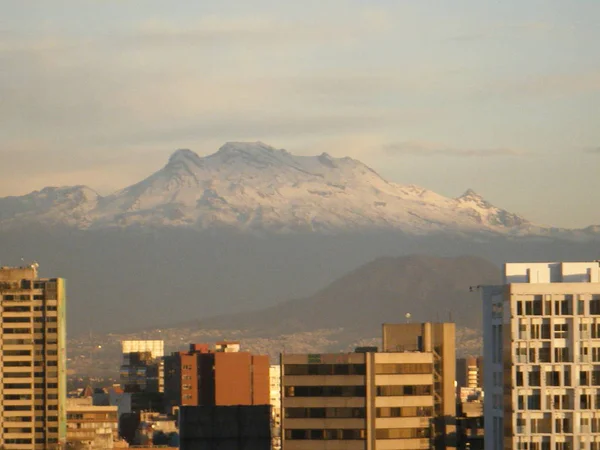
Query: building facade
91,427
439,339
357,401
33,372
142,369
275,401
220,377
469,372
542,357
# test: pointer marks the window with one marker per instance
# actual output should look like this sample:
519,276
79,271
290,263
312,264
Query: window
561,354
585,401
595,307
561,330
534,378
562,426
519,378
534,401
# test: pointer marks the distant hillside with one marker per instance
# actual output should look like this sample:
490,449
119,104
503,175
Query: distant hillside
429,288
347,313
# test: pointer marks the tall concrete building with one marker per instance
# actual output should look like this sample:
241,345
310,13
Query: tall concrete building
275,400
439,339
33,372
221,377
542,357
362,400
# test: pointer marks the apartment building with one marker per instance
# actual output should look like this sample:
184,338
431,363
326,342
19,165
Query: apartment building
224,376
32,361
89,426
362,400
542,357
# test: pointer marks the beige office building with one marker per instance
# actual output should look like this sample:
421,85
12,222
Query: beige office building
352,401
440,340
32,360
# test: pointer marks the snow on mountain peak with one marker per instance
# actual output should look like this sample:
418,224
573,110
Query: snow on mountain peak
252,186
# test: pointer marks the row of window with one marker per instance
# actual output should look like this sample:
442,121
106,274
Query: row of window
402,433
401,391
22,297
29,418
28,363
29,408
406,411
558,401
539,307
29,375
324,369
324,413
345,434
400,369
27,308
559,378
542,355
29,341
325,391
26,330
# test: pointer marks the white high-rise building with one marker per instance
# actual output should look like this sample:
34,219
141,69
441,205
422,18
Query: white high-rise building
275,400
542,357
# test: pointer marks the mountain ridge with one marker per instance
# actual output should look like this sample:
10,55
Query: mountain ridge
253,187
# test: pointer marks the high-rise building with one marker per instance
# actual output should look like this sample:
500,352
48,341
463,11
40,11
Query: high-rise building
222,377
275,400
439,339
362,400
542,357
33,372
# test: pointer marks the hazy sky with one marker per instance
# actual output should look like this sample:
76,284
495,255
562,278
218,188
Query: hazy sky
502,97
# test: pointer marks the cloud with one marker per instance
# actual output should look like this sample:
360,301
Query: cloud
430,149
592,150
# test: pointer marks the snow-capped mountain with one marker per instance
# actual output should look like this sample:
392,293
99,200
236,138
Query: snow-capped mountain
255,187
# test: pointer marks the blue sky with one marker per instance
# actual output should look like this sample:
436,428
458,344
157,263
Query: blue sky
501,97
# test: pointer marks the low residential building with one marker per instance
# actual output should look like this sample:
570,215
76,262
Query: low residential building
91,427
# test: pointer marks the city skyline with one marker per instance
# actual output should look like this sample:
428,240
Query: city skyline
500,98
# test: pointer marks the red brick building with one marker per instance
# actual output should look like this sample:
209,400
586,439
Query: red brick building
220,377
